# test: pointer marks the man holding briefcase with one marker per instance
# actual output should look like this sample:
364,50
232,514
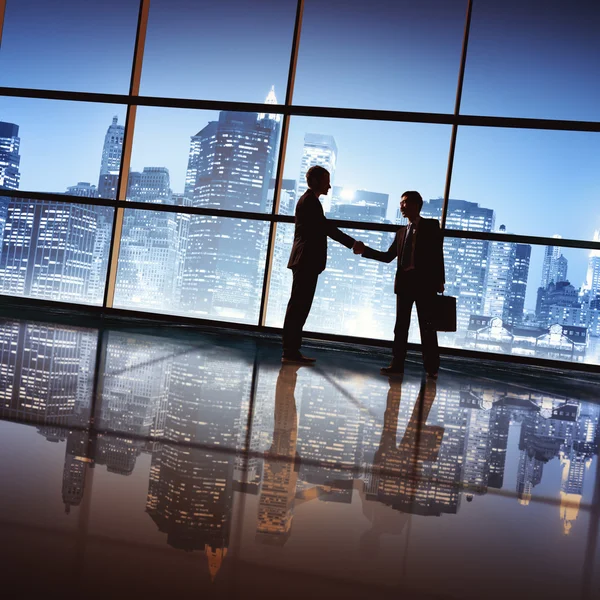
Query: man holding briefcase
419,277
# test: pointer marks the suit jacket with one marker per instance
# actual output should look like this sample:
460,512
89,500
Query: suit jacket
309,250
428,254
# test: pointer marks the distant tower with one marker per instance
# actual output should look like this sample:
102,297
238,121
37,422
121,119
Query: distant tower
318,150
499,277
466,260
111,160
231,164
9,166
592,282
549,268
515,305
9,156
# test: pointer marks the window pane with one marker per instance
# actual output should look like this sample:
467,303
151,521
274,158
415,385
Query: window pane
533,59
534,182
539,301
61,147
53,250
73,45
401,55
46,375
371,164
207,159
354,296
206,267
227,50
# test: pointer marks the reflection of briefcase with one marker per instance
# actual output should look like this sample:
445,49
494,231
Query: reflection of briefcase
443,313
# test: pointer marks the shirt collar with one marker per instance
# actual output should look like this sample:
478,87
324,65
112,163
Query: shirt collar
416,222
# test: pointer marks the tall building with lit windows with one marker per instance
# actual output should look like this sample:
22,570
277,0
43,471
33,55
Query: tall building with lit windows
47,250
554,268
231,164
592,281
111,160
466,260
515,305
150,254
9,166
318,150
9,156
499,277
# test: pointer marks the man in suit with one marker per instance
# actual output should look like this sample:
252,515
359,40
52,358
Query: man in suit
307,260
419,276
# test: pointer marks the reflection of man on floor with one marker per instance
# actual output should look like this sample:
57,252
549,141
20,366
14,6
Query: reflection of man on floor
398,469
276,505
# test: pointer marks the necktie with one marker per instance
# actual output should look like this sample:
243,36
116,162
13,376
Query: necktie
406,258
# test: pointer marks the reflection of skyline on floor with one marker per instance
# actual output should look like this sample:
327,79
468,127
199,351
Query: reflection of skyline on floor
418,448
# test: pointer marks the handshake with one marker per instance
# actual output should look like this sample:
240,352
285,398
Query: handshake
358,247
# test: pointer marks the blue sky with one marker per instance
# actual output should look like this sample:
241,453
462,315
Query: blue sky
526,58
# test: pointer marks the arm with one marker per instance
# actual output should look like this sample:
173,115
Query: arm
387,256
339,236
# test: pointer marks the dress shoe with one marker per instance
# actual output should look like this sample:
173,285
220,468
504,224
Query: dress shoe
392,371
297,359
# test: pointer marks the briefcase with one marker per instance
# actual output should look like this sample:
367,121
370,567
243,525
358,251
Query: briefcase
443,313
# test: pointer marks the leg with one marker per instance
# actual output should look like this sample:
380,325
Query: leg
429,341
404,304
303,292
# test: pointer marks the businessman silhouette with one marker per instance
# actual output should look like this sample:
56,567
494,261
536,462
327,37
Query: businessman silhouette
419,276
307,260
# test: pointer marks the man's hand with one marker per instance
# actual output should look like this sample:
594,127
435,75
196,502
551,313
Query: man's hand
358,248
441,288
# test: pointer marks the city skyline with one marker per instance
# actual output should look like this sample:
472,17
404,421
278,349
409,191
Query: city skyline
231,164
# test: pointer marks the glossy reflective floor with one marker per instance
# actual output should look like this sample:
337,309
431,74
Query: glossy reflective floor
147,464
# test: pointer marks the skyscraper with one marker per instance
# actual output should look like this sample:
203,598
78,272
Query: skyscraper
47,250
9,166
466,260
9,156
592,281
318,150
499,277
111,160
150,255
231,163
553,268
515,305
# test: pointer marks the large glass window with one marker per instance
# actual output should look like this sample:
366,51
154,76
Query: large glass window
206,159
522,61
61,147
529,58
76,45
207,267
226,50
400,55
371,164
532,182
